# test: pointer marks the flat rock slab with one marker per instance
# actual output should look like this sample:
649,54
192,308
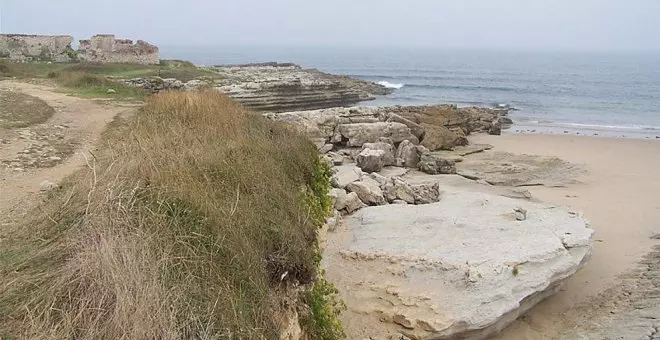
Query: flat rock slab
503,168
461,151
460,268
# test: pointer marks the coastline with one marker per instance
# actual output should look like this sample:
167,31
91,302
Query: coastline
617,193
577,129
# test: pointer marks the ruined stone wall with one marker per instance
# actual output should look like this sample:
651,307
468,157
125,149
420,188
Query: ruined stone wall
36,47
107,49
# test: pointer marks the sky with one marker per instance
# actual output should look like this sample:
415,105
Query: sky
507,24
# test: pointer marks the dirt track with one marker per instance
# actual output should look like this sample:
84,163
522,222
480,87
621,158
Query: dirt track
51,150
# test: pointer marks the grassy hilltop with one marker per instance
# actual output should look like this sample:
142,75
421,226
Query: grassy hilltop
193,220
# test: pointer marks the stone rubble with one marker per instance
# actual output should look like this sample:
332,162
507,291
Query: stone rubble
436,127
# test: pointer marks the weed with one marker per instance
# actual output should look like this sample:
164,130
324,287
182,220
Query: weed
325,307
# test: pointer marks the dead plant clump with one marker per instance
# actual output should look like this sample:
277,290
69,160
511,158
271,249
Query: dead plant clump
180,227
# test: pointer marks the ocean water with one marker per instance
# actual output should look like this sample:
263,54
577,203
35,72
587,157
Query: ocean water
554,92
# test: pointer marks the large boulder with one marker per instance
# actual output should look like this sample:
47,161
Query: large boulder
388,157
371,160
355,135
345,175
408,154
368,190
399,190
462,268
495,128
436,165
439,138
415,128
313,124
345,202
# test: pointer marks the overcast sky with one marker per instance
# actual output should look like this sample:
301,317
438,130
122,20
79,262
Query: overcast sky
519,24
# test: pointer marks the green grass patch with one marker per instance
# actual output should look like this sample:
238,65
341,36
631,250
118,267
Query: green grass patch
180,70
96,86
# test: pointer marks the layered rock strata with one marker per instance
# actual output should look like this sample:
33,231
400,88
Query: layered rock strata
288,87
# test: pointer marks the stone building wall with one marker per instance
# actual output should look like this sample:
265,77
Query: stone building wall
36,47
107,49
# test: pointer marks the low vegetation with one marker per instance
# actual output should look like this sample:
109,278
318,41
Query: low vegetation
96,86
181,70
18,110
95,79
187,223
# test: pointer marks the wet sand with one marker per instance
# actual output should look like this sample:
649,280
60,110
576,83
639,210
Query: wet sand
619,194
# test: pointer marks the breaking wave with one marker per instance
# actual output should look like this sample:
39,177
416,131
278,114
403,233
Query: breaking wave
390,85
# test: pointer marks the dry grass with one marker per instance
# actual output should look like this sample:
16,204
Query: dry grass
180,228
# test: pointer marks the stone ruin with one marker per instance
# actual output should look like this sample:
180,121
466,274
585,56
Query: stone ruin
23,47
106,49
57,48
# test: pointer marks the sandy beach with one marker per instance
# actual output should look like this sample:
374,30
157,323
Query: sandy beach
619,194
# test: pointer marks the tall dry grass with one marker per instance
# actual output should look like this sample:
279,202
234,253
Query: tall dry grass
180,227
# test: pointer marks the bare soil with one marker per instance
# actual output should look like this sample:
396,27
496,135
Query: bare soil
44,136
21,110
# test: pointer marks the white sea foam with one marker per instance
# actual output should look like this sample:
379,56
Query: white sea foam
390,85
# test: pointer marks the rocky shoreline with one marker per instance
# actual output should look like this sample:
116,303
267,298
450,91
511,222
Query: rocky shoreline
415,256
430,237
275,87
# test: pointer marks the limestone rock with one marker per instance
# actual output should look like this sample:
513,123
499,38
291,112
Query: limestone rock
284,87
371,160
409,154
435,165
496,128
360,133
326,148
415,128
334,221
438,138
345,175
426,193
521,213
507,169
313,124
348,203
336,158
46,186
398,189
382,180
448,267
368,191
388,157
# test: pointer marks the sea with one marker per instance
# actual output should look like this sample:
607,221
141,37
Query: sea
592,93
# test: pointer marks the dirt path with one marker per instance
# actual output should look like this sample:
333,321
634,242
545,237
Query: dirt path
49,151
